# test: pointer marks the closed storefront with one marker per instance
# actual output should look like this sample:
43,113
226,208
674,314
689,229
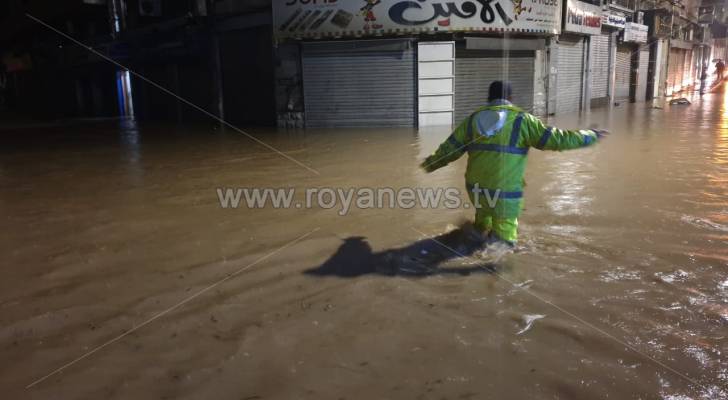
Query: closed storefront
476,69
689,69
675,69
570,66
599,56
697,66
644,60
604,52
683,66
632,63
572,59
361,83
622,72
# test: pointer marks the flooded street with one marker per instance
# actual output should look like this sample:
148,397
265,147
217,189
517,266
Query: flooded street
114,236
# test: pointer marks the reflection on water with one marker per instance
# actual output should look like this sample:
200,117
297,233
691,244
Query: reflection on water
107,224
131,149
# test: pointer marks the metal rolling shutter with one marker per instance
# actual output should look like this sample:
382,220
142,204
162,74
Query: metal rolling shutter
476,69
622,71
681,69
359,83
677,62
570,57
642,74
599,56
688,68
718,50
672,70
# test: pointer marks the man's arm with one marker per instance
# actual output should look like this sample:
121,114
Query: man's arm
545,137
450,150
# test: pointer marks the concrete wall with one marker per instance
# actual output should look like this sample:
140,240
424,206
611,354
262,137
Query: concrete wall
540,83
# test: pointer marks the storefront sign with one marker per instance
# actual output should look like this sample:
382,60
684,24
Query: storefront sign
615,21
634,32
340,18
583,18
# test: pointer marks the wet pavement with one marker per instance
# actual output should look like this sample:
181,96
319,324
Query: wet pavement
114,236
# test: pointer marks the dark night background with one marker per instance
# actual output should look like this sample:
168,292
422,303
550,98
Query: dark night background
178,44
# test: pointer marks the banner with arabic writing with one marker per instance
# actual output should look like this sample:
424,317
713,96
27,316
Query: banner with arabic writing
354,18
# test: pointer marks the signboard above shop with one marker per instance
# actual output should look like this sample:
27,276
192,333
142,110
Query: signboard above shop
634,32
614,21
298,19
583,18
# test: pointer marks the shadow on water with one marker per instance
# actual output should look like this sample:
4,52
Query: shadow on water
355,257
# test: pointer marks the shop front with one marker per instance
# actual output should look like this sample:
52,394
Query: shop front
622,72
633,56
361,83
679,66
602,55
399,63
480,61
582,20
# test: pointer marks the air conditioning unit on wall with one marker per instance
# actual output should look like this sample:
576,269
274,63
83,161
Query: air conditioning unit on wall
150,8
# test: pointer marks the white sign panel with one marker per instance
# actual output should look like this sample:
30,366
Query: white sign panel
615,21
343,18
634,32
583,18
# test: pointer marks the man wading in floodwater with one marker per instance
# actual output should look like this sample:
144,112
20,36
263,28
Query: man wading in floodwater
497,138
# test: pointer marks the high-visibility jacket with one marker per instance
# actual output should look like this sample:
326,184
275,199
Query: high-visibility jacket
497,163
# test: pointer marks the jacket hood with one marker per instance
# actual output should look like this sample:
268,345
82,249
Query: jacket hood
490,122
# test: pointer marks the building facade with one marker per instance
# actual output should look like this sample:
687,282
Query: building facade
403,63
328,63
680,48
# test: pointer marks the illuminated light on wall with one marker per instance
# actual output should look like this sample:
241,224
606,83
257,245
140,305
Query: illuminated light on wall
124,94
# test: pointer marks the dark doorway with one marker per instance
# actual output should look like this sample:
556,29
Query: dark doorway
246,60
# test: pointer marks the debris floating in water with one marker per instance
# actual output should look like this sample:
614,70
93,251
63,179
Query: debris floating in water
529,319
525,284
681,101
677,276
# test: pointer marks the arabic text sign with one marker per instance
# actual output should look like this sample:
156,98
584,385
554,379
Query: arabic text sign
616,21
583,18
635,33
339,18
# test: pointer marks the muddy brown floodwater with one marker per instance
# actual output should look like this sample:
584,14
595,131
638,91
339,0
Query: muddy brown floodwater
619,288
